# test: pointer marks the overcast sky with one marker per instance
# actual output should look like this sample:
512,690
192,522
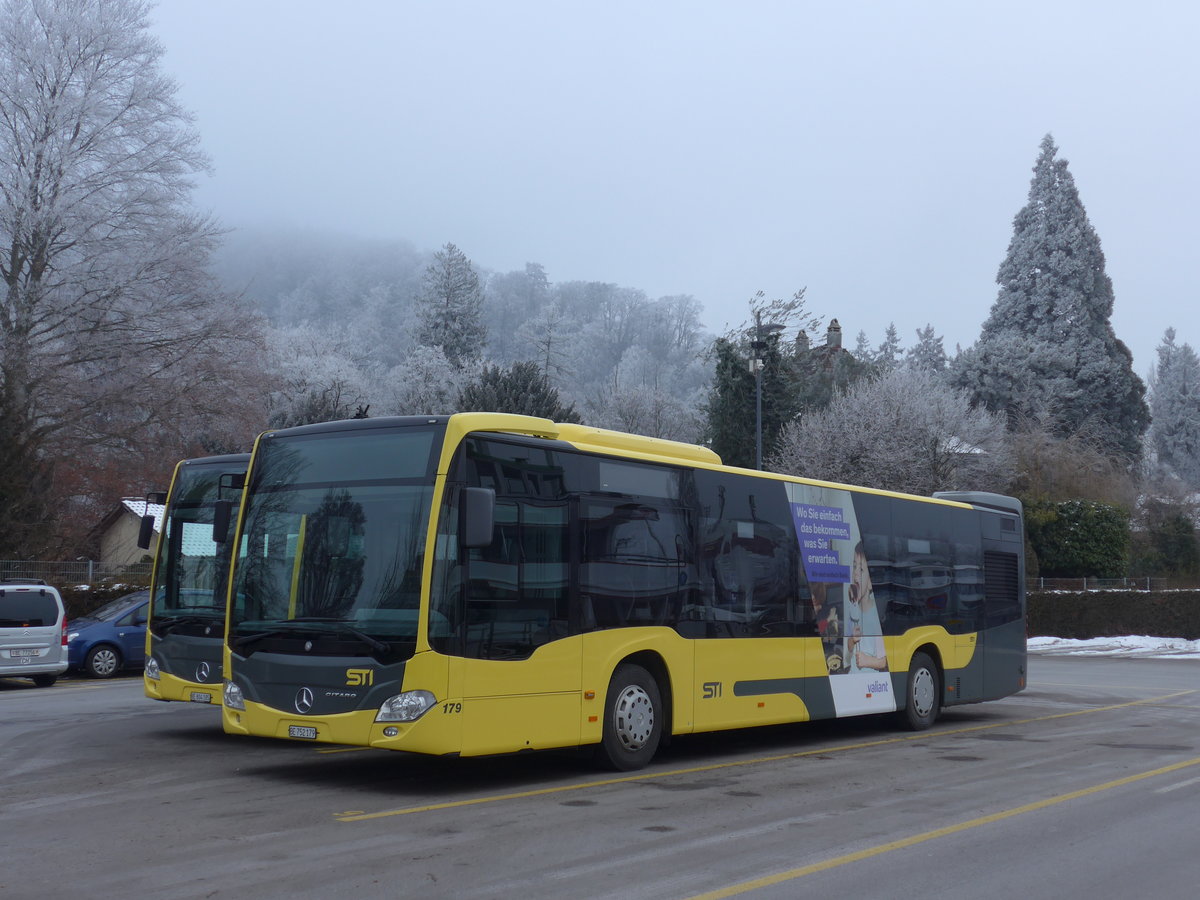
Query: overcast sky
874,153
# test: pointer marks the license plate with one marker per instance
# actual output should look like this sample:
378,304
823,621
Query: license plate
307,732
27,651
198,697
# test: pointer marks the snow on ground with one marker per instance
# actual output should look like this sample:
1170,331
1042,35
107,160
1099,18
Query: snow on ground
1133,646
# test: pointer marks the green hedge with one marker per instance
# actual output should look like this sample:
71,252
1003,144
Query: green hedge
1115,613
81,602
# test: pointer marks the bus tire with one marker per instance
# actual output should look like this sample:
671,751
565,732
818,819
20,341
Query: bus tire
923,694
633,719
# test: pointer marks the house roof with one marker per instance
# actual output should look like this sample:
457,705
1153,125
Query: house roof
139,507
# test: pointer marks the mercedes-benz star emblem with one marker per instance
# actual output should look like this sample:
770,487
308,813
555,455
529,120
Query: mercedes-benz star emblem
304,700
202,672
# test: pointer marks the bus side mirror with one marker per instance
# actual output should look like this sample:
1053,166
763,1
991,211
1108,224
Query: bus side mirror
146,528
222,515
477,511
145,532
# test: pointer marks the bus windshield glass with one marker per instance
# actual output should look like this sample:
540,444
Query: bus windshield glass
194,568
332,542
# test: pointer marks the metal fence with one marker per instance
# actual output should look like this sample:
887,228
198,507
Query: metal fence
1112,584
81,571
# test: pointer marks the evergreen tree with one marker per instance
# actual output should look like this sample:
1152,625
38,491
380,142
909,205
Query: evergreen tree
1047,350
730,407
450,308
862,348
927,354
521,388
1175,405
730,412
889,352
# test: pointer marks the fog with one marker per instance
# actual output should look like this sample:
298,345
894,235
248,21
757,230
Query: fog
873,153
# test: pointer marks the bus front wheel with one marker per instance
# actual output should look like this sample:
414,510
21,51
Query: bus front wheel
633,719
923,696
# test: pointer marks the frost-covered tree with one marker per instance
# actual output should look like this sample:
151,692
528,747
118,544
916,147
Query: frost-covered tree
548,338
450,308
318,376
1175,406
648,395
425,383
927,353
510,300
890,352
862,348
1047,350
111,326
904,431
521,388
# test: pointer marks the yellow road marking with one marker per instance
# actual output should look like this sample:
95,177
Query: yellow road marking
647,776
793,874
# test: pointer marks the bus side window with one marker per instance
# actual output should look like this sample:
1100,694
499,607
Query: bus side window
749,568
636,562
516,587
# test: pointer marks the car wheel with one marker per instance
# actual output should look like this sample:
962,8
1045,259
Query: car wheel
44,680
102,661
923,696
633,719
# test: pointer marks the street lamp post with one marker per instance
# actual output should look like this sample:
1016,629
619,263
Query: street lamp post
758,348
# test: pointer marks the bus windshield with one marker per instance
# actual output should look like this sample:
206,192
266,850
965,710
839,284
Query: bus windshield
194,569
332,543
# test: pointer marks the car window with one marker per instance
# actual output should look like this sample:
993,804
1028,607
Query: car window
130,617
112,610
26,610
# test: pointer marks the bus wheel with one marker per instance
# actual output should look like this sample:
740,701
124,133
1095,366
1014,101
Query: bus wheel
632,719
923,696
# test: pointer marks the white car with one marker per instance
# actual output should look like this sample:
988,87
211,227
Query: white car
33,632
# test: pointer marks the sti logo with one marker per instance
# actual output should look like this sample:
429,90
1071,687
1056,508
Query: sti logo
360,677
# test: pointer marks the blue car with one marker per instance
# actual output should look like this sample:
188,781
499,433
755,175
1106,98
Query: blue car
111,638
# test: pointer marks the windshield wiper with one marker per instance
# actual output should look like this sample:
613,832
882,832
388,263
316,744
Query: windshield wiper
167,623
248,639
283,631
376,645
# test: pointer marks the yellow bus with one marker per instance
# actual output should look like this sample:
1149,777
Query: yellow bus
485,583
186,627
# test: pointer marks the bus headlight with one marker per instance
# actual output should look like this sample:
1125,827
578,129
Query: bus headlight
152,670
406,707
233,696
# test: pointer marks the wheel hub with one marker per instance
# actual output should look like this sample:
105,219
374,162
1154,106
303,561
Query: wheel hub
923,692
633,717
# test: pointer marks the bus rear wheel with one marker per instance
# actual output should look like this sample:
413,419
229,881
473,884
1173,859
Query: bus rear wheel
633,719
923,695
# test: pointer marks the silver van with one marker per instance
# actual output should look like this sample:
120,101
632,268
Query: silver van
33,632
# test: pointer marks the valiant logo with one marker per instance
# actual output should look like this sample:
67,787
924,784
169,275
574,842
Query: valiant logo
879,687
